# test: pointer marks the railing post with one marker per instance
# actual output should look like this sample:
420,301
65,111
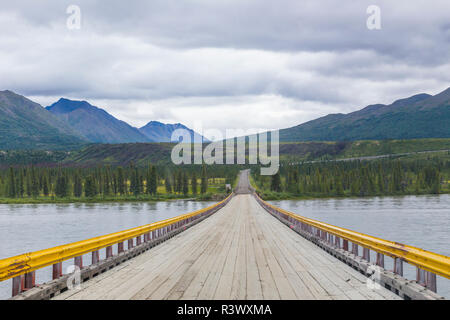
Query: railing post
420,276
337,242
398,266
57,270
366,254
430,280
95,257
17,285
345,244
109,252
120,248
30,280
355,249
78,261
138,240
380,260
130,244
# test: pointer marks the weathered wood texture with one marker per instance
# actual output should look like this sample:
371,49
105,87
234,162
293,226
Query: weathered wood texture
241,252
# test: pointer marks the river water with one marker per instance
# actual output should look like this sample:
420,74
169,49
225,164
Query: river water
422,221
26,228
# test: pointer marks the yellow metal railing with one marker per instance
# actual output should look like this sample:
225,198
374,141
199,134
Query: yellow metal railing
26,263
425,260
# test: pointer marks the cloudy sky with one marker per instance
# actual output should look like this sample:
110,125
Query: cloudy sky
231,64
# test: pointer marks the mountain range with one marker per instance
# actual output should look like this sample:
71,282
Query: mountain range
157,131
69,124
24,124
419,116
95,124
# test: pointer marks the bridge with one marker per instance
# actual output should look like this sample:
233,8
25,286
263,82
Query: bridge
239,248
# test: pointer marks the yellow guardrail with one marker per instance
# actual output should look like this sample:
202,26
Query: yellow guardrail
426,260
28,262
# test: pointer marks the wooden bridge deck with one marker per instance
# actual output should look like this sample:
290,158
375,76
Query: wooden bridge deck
240,252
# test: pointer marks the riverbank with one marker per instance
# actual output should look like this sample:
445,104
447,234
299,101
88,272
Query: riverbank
269,195
140,198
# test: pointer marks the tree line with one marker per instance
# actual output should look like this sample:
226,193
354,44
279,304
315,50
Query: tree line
106,181
359,178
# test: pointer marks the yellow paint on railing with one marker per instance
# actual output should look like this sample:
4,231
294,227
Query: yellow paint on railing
21,264
426,260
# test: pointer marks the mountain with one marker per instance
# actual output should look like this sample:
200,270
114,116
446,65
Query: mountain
95,124
419,116
160,132
25,124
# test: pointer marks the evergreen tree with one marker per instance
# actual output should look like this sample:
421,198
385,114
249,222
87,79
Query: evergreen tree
179,182
90,188
153,181
204,181
20,184
185,184
276,182
11,184
167,184
77,186
28,181
194,184
120,181
45,187
34,183
61,186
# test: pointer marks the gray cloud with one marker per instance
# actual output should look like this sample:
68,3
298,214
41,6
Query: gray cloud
289,61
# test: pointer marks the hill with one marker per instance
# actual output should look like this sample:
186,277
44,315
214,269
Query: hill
160,132
419,116
26,125
95,124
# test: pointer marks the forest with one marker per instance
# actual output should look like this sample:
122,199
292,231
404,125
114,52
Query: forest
22,184
420,175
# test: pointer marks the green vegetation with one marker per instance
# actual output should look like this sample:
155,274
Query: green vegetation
24,124
159,153
421,174
31,184
419,116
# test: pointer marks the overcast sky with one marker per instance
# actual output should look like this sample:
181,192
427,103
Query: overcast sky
230,64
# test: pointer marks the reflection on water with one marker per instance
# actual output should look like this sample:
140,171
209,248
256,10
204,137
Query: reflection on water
420,221
31,227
